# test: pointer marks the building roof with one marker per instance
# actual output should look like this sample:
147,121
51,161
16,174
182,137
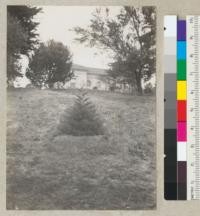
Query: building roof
90,70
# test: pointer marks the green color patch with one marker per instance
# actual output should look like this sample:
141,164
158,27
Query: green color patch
181,70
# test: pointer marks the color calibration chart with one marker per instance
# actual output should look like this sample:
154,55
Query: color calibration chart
182,108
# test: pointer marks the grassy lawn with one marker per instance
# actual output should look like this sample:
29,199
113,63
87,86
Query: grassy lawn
49,171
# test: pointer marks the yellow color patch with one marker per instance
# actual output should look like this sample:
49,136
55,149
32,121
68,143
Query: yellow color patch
181,90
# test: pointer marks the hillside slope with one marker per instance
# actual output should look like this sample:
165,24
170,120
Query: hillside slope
49,171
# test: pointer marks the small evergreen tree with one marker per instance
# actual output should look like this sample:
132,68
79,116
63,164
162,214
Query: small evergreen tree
81,119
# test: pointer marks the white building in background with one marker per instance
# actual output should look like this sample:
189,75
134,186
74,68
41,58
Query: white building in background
91,78
96,78
88,78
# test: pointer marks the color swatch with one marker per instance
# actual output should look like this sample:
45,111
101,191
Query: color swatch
170,135
182,108
181,111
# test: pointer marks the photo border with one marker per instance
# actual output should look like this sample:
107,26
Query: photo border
164,208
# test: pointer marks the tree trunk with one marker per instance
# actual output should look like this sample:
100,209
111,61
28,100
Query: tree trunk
10,83
132,89
50,84
139,85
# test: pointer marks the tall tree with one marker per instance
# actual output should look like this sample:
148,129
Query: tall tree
16,38
50,63
131,38
21,36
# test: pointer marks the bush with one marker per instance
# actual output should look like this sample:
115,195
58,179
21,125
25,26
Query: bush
81,119
149,89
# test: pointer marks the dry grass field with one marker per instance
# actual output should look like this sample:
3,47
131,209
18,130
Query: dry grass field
48,171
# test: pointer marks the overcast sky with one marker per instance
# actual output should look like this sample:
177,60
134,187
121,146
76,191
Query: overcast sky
56,22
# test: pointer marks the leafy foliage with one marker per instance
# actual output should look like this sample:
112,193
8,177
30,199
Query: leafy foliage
51,63
149,89
25,15
21,37
131,38
82,119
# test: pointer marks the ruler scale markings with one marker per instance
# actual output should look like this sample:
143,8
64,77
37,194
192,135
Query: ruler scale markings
182,142
193,145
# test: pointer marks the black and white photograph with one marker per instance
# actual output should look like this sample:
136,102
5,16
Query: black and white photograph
81,108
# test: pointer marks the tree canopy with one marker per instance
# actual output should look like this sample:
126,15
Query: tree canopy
21,37
51,63
131,38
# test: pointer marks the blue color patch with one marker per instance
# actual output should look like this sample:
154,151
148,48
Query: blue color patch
181,49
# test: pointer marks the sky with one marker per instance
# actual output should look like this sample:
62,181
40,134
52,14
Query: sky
57,22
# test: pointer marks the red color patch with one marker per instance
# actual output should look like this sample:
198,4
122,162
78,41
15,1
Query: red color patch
181,110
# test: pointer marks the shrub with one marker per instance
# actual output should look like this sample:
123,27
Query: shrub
81,119
148,89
